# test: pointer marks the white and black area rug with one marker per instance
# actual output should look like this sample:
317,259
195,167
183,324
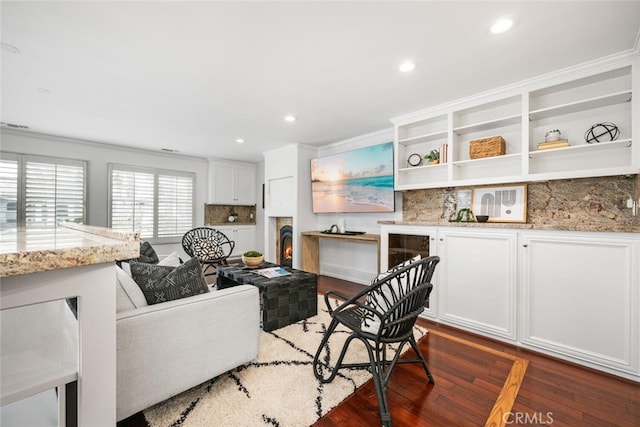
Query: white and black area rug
277,389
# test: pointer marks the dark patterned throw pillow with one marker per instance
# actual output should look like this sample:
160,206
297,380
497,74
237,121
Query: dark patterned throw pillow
160,283
147,254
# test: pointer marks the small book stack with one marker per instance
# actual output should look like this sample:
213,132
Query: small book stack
561,143
444,153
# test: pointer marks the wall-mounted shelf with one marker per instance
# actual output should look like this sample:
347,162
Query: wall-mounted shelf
506,158
522,114
417,169
600,146
488,125
583,105
424,138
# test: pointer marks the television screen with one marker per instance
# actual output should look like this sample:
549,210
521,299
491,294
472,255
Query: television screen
354,181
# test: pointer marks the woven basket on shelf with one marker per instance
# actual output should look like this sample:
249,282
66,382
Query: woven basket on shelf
486,147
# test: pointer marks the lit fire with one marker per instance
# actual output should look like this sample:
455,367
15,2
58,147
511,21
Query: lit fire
288,252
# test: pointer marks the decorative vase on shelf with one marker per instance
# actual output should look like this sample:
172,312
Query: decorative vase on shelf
252,259
553,135
433,157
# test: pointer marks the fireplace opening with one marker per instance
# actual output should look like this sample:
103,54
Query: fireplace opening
286,246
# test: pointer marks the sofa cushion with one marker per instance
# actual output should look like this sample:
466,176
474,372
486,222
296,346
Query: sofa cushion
128,293
382,299
160,283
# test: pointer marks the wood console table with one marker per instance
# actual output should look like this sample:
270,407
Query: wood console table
311,246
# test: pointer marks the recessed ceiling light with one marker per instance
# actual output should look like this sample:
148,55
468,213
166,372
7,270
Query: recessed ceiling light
502,25
240,140
290,118
43,91
407,66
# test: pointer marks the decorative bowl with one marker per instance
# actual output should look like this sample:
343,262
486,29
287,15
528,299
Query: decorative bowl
482,218
252,262
553,135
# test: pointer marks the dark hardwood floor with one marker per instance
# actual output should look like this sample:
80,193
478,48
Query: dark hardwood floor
479,381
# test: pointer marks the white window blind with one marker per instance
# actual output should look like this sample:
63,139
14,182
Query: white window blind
39,191
8,191
132,201
156,203
175,205
53,193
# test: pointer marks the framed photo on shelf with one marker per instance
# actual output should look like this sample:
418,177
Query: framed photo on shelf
501,204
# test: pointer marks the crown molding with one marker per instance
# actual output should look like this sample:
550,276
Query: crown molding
584,69
105,145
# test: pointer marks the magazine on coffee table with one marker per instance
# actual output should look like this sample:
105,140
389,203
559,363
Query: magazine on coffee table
273,272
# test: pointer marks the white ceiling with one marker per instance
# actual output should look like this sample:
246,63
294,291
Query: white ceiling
195,76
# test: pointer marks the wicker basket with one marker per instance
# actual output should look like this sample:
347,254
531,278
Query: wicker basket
486,147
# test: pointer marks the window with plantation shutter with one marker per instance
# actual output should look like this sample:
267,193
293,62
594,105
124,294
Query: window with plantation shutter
156,203
132,200
175,205
39,192
9,191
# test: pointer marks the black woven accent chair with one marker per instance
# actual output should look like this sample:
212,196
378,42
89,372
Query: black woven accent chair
382,314
210,246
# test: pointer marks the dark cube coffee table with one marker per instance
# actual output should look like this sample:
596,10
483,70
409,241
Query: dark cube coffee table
283,300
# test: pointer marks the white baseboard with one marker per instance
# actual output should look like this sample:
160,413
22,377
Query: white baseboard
339,272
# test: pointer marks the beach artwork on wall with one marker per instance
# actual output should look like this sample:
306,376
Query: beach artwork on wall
359,180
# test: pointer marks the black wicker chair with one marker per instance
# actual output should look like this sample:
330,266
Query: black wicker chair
382,314
210,246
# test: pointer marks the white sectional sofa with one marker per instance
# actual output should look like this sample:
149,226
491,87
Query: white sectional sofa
167,348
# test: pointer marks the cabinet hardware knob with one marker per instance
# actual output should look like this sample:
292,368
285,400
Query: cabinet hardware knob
441,239
525,245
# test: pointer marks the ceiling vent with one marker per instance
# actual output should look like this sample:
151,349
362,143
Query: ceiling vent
14,126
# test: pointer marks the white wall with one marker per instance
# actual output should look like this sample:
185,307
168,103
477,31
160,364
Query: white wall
356,262
98,157
260,221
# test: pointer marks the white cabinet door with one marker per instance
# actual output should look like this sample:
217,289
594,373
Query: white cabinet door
221,183
244,237
580,297
232,184
478,280
245,185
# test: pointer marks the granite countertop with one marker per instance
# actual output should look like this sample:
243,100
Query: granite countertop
30,250
460,224
624,228
217,224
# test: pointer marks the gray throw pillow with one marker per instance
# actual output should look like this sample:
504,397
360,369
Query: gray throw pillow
160,283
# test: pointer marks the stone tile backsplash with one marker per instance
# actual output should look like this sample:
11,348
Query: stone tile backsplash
586,204
219,214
